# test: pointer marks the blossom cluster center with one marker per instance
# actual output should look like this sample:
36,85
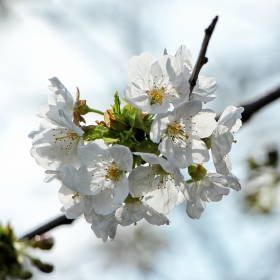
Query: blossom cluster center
113,172
157,95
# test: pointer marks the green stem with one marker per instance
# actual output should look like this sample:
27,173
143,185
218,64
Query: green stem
95,111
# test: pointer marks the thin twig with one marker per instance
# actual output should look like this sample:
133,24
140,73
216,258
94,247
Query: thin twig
202,59
62,220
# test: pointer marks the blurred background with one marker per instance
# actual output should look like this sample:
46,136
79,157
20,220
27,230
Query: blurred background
89,43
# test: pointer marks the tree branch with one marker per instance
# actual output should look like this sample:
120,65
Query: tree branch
202,59
62,220
251,108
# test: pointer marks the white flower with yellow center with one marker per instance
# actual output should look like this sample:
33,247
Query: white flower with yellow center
58,144
180,133
160,183
153,82
101,176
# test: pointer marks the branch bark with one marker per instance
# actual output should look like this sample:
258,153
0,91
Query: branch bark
62,220
202,59
251,108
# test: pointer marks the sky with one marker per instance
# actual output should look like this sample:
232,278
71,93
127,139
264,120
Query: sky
89,44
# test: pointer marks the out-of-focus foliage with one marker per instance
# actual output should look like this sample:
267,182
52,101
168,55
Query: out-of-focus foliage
137,249
13,251
264,178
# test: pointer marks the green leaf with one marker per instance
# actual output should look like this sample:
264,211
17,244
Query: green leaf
143,122
129,114
97,133
111,137
128,139
117,104
147,146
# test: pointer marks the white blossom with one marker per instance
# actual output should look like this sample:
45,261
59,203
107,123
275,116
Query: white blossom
160,183
101,176
57,145
60,96
210,189
181,131
133,212
104,226
205,86
222,137
59,99
153,82
73,202
233,182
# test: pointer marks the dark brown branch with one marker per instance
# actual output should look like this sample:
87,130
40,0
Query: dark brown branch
62,220
202,59
251,108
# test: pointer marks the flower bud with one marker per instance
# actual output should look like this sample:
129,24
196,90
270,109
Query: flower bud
197,172
43,243
44,267
24,274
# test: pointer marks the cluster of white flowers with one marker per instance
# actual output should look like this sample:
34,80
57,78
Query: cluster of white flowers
130,166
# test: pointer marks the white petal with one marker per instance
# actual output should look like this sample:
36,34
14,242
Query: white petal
204,89
131,213
121,190
172,70
195,207
187,110
159,126
54,148
139,69
60,96
185,55
140,180
122,156
73,207
94,152
150,158
156,72
195,152
181,198
214,186
103,203
155,218
203,123
104,226
164,198
230,116
137,97
233,182
88,206
82,181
